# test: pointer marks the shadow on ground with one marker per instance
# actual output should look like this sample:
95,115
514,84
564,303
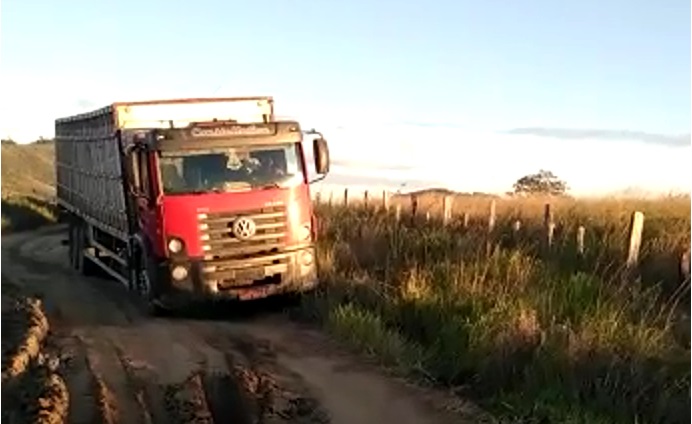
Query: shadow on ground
230,310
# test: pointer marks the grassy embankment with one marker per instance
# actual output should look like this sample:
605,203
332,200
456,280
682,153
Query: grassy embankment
544,337
28,181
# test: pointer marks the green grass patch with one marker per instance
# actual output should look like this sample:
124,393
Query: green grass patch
540,338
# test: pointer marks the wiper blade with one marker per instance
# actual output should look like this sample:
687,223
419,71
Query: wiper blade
187,192
270,186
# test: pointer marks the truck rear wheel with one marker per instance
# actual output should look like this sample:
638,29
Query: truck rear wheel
77,245
72,244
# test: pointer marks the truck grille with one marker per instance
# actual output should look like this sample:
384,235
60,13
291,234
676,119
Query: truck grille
232,261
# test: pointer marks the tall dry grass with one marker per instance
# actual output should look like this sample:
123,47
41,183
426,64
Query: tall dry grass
555,337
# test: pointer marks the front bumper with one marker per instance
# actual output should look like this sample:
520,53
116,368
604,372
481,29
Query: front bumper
289,271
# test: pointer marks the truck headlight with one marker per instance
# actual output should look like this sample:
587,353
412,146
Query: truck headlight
307,258
179,273
305,232
175,245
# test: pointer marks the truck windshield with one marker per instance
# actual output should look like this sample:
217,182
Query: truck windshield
230,169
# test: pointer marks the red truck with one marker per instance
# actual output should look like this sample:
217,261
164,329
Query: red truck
190,199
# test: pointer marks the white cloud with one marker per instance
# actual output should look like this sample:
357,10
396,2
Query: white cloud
472,160
371,142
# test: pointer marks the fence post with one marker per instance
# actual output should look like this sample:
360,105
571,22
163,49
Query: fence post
492,216
397,214
636,228
516,228
466,220
365,199
685,266
385,201
548,227
331,198
446,210
427,216
345,197
581,232
414,207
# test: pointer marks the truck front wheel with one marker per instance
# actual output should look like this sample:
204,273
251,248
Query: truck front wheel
144,280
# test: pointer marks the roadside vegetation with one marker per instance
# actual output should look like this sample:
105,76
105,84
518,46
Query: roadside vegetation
540,337
28,181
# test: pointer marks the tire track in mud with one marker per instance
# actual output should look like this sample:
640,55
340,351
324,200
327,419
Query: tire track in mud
242,392
114,365
32,390
75,379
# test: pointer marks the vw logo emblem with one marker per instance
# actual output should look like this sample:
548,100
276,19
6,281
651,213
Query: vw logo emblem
244,228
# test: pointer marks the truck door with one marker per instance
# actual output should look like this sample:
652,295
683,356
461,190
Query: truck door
145,203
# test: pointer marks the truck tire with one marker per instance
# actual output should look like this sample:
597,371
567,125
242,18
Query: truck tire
72,244
81,262
144,276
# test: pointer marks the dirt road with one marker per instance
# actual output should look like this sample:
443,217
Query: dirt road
114,364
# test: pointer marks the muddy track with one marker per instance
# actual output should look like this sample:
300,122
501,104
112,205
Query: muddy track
97,358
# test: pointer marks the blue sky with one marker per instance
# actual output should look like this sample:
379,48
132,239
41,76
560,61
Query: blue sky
460,69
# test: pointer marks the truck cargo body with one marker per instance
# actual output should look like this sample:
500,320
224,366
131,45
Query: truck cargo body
201,198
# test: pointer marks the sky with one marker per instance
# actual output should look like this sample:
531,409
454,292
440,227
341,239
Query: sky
465,95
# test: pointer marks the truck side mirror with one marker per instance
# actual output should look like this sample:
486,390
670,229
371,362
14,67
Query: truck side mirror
321,154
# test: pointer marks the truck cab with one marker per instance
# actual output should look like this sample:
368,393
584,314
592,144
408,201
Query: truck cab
222,209
190,198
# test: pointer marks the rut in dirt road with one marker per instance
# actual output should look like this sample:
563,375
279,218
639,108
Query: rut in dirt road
108,385
118,365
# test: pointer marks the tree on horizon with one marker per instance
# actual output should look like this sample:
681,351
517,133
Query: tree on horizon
542,182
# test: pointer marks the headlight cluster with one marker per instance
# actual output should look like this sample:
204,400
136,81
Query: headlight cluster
305,232
175,245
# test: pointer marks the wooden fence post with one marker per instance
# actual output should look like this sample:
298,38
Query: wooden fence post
414,207
345,197
492,217
446,210
466,220
549,226
636,228
397,214
385,200
365,199
685,266
581,232
516,228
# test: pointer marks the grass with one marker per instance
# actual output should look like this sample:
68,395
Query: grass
531,336
28,181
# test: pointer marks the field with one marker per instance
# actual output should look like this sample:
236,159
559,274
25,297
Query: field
544,336
531,334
